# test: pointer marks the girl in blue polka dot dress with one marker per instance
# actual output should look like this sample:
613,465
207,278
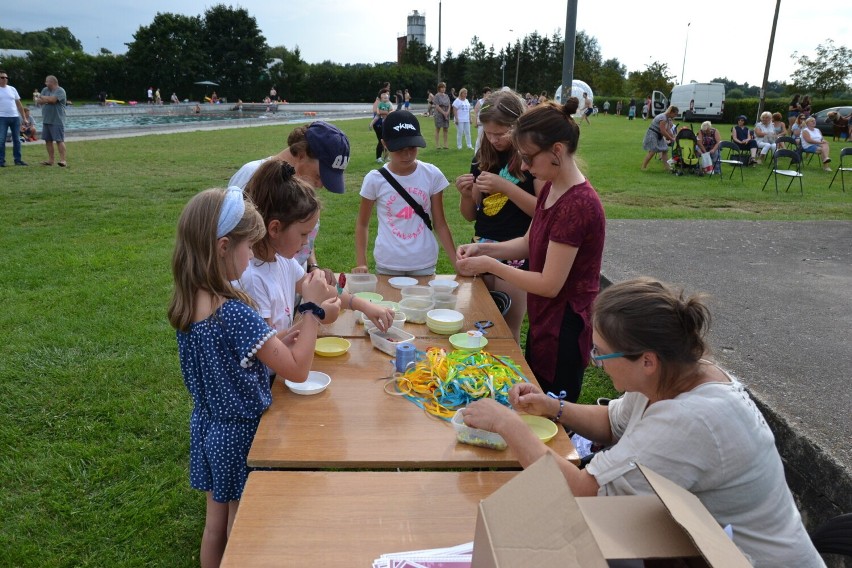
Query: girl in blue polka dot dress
225,347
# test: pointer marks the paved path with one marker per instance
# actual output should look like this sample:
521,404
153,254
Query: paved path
782,307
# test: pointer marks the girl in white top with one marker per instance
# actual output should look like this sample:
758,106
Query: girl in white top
290,210
812,141
461,112
404,244
764,132
682,416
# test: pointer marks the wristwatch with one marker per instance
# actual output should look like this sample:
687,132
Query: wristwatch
313,308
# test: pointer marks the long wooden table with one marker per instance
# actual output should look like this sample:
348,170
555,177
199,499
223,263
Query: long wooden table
345,519
474,301
354,423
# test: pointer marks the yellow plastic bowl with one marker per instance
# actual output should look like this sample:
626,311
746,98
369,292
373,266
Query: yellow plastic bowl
331,346
542,427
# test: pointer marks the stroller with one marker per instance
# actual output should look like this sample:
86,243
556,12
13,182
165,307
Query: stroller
683,153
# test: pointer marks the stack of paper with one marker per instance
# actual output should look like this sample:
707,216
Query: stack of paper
453,557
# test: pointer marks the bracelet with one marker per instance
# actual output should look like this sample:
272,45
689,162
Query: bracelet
351,297
559,414
312,266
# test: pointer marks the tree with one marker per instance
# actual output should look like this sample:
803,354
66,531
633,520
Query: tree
169,54
826,73
655,77
236,50
611,78
417,54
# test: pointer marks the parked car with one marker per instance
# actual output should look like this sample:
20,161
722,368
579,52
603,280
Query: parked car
824,124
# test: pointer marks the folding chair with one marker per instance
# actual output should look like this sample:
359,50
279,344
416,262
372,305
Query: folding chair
734,159
847,151
788,141
795,159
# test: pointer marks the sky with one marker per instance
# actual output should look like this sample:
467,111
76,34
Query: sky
699,41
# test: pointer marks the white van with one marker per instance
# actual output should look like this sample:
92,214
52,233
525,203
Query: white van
698,102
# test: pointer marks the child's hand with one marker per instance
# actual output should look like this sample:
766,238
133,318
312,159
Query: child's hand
315,289
329,275
361,269
489,183
380,316
289,336
464,183
332,309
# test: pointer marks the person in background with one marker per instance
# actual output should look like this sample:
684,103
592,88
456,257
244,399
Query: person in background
28,127
214,98
406,100
150,94
764,132
52,100
813,141
646,108
796,129
658,136
399,99
564,249
794,109
476,110
175,100
498,196
806,106
225,347
157,98
430,100
461,116
442,114
681,415
606,108
780,127
741,135
405,244
383,109
587,108
11,113
618,107
319,152
631,109
709,140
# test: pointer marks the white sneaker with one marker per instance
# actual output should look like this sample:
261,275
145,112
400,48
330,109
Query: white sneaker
379,161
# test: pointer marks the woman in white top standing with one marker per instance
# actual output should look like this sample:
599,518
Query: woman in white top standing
764,133
681,415
812,141
461,116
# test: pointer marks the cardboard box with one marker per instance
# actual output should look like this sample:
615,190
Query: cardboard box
535,520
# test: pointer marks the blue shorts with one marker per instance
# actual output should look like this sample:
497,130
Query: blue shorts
588,111
812,148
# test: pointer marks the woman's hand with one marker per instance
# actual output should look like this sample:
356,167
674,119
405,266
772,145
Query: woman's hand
488,414
527,397
475,265
468,251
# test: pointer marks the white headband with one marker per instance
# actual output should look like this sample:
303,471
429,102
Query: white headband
232,211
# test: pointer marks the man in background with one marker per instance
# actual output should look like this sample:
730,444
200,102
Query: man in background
52,100
11,113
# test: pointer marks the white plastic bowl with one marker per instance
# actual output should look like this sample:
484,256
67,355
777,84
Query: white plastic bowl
315,383
443,285
415,309
416,292
361,283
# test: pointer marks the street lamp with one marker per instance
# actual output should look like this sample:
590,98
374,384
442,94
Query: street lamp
503,68
685,43
518,65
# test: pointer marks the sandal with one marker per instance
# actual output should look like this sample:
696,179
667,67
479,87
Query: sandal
47,163
826,161
62,164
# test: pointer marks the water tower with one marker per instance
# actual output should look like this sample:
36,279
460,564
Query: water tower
416,30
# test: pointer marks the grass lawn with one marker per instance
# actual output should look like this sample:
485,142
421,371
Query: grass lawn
94,435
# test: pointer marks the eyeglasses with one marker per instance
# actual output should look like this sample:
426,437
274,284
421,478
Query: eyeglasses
4,76
598,359
528,160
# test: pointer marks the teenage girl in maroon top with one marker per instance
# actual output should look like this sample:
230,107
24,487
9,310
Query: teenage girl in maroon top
564,245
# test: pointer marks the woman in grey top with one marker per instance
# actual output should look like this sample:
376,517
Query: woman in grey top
442,114
682,416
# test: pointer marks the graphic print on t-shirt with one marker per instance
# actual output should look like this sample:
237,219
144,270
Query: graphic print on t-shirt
397,209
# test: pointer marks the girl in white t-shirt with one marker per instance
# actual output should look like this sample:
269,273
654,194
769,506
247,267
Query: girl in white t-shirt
290,210
404,244
461,110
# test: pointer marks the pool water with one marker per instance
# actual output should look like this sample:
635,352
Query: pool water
110,121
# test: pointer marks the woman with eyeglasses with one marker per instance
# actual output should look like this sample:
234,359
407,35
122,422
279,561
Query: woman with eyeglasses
681,415
497,195
564,245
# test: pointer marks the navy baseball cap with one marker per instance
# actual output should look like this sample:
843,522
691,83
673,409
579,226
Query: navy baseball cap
331,147
401,129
